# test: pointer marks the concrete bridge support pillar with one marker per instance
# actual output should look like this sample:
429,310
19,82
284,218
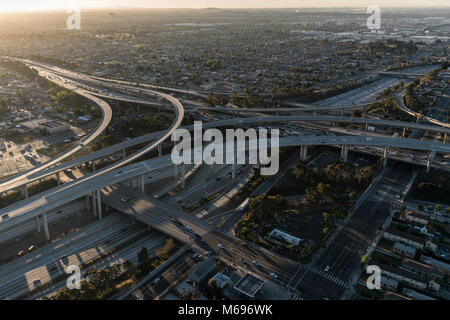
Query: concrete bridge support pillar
385,156
344,153
38,223
233,170
25,191
160,150
94,206
142,183
175,170
99,204
430,160
342,112
93,166
404,132
45,221
88,205
303,153
445,138
367,126
58,178
124,154
183,182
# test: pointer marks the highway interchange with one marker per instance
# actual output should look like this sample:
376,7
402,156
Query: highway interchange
341,257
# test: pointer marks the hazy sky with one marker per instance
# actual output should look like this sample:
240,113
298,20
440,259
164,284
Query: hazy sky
14,5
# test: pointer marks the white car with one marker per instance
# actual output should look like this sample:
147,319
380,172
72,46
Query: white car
274,275
327,268
220,246
188,227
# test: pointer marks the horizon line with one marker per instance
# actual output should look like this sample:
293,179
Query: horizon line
221,8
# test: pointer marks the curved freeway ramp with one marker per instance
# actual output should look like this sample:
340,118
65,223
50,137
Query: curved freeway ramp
22,178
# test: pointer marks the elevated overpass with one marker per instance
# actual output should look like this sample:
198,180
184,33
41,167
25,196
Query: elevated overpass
94,182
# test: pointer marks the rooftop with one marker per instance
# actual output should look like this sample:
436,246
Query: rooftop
249,285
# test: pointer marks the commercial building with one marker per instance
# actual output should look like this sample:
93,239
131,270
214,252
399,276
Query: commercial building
403,237
404,250
416,217
51,126
221,280
249,286
412,279
285,238
202,271
387,283
421,268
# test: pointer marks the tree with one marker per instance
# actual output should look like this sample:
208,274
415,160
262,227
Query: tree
143,256
129,267
365,174
325,216
264,208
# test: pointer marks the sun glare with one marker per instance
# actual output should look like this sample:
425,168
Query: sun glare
32,5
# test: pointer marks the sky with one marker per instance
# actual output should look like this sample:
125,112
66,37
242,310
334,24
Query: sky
32,5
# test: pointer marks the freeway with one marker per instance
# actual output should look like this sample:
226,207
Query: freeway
24,179
92,182
216,124
401,103
46,263
105,120
173,222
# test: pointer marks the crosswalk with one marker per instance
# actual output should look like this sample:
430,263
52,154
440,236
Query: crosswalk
198,249
296,297
330,277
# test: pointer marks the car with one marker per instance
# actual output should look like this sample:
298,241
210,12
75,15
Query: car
243,261
156,280
124,199
5,216
37,282
31,248
274,275
256,263
20,253
397,196
327,268
220,246
188,227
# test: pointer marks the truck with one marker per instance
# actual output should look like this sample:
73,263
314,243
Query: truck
244,204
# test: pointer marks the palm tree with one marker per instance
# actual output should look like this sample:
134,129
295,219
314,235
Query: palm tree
325,216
